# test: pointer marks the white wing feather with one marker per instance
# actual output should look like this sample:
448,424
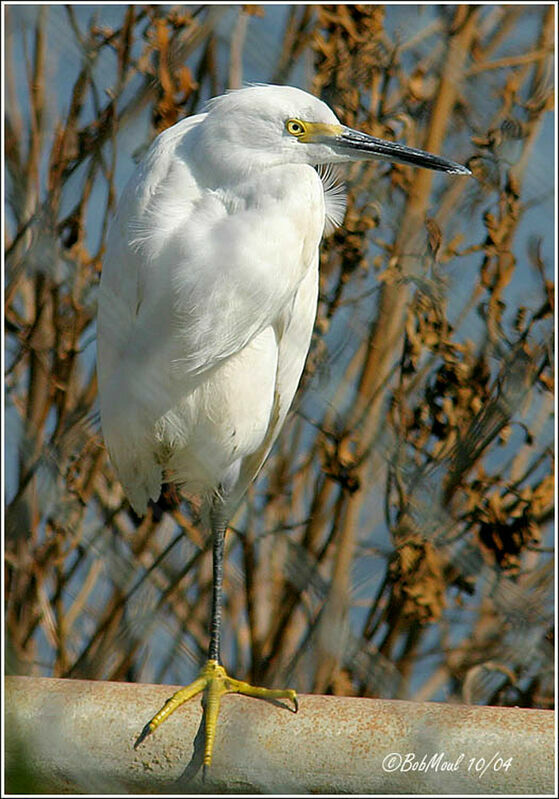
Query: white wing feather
193,278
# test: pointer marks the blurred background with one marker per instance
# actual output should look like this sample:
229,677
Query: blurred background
398,542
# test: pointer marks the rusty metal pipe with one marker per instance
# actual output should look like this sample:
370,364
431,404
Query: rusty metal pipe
76,736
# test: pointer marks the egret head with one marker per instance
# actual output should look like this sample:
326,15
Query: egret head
261,126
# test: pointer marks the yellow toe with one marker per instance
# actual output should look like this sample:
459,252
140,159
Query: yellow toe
215,681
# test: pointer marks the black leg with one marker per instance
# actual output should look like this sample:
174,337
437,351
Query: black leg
219,527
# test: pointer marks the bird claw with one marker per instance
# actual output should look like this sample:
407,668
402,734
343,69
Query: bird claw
143,735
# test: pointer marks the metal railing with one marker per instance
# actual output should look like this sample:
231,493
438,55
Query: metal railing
76,736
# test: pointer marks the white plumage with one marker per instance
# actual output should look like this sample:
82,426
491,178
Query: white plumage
209,286
208,296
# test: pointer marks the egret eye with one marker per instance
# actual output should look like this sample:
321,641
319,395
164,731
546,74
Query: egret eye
295,127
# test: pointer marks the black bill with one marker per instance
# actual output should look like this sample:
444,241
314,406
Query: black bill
372,147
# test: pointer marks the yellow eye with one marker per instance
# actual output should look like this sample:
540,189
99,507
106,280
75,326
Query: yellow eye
295,127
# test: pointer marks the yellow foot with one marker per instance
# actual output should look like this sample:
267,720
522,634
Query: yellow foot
214,680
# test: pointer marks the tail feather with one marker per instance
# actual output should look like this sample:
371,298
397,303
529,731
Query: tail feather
140,479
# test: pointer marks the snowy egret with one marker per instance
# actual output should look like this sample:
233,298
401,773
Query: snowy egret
207,302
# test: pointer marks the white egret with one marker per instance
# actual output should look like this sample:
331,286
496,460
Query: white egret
207,302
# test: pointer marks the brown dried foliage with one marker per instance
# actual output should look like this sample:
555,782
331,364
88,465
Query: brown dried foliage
396,541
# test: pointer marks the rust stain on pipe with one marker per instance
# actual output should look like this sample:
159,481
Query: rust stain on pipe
77,736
